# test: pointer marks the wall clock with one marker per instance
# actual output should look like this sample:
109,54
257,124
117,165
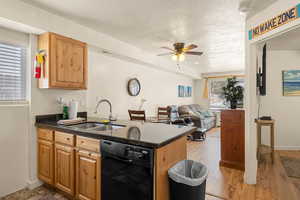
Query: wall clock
134,87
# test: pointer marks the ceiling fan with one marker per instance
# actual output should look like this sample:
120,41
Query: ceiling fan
179,51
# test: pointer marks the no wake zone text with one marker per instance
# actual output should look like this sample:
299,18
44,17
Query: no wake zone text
275,22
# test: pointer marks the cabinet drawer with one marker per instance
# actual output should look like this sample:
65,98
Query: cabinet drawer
88,144
64,138
45,134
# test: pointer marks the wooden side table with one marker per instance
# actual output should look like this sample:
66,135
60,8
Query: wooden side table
259,124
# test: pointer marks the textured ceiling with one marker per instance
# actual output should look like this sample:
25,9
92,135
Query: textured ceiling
216,26
256,6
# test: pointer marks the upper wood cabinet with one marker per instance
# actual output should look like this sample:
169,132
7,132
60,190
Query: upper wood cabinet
66,62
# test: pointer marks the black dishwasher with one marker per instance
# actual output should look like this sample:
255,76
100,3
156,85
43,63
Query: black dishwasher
126,172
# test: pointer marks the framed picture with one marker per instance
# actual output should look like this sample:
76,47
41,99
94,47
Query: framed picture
180,91
291,82
188,91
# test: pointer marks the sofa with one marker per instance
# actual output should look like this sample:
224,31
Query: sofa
202,118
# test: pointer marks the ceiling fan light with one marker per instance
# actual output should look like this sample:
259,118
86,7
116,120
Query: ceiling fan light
181,57
174,57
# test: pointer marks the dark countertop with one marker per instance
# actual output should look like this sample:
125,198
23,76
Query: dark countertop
144,134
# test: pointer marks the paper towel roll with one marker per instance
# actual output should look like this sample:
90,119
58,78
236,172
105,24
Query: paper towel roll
73,109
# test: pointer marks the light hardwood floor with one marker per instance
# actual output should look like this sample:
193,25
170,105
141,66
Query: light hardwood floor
225,183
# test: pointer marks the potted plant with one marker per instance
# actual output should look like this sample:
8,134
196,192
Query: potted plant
233,92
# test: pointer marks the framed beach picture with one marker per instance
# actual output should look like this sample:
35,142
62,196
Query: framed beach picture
180,91
291,82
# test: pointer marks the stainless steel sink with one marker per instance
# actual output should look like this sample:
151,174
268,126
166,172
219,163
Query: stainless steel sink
95,126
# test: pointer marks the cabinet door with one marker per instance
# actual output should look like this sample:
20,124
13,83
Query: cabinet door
232,139
232,143
87,176
45,161
64,168
68,68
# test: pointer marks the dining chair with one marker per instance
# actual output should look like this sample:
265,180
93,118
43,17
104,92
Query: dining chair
138,115
163,113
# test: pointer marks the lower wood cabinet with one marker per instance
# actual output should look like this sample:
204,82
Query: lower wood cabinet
65,168
69,163
46,161
87,175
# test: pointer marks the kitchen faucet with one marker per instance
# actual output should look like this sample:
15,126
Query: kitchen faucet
110,108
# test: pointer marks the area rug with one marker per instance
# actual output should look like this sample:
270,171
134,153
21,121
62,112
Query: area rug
292,166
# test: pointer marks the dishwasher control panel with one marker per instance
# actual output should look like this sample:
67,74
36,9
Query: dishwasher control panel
131,153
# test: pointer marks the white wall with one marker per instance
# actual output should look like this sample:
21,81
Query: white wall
13,148
284,109
108,77
251,98
14,132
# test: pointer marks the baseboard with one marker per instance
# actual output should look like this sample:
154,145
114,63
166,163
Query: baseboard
288,148
34,184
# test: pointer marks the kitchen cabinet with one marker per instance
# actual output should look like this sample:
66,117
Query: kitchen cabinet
45,156
64,168
65,64
88,175
88,171
64,154
70,163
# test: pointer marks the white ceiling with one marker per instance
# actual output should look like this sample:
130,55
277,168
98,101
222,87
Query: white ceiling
253,7
286,41
216,26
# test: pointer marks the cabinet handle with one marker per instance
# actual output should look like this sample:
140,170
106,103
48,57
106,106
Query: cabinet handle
68,138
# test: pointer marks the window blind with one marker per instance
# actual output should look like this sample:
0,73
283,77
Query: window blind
12,73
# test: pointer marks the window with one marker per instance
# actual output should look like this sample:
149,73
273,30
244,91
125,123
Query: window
12,73
216,97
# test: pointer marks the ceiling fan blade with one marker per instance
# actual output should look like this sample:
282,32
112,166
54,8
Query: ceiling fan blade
194,53
168,48
190,47
165,54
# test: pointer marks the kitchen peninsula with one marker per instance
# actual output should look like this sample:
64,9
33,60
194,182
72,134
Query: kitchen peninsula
76,158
